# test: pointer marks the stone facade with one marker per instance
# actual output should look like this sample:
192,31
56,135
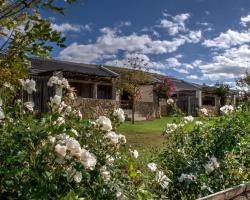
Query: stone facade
147,94
240,192
93,108
145,109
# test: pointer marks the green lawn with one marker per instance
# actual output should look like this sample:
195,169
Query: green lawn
146,134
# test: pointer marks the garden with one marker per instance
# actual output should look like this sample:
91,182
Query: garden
61,155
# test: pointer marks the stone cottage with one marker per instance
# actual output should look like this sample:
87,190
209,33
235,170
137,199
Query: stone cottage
97,93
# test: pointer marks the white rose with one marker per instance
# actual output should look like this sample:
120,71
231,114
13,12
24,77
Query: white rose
68,109
73,146
61,150
119,113
162,179
198,123
60,121
56,100
134,153
152,166
188,119
87,159
113,137
170,101
78,177
29,105
53,80
51,139
2,116
122,138
28,85
104,123
105,173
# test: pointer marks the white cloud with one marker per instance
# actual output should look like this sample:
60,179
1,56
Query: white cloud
245,20
174,24
181,70
193,36
173,62
66,27
232,63
194,77
228,39
111,42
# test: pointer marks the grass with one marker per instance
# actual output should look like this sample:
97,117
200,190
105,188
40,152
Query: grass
146,134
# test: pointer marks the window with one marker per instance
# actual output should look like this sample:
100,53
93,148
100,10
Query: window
83,89
104,92
208,101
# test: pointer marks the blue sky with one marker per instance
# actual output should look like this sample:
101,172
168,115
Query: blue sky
203,41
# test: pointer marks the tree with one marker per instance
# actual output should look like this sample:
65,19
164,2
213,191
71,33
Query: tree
164,89
244,84
23,32
132,78
222,90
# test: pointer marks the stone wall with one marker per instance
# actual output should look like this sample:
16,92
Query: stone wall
146,92
145,109
93,108
240,192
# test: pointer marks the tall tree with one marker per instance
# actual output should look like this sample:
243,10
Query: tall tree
24,32
132,78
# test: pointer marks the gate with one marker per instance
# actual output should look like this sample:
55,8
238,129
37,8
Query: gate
188,105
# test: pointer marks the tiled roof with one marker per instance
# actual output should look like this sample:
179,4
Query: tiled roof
39,66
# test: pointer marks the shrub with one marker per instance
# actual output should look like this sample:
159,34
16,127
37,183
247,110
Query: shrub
209,156
62,156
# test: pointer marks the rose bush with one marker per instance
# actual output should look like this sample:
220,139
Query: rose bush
207,156
62,156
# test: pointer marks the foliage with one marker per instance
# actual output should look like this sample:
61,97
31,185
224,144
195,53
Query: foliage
222,90
132,78
23,33
165,89
209,156
62,156
243,84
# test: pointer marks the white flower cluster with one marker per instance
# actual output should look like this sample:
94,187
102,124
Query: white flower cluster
204,111
170,101
134,153
212,165
57,104
29,105
54,80
29,85
9,86
188,119
119,114
115,138
69,148
105,173
170,128
104,123
198,123
162,179
227,109
152,166
187,177
2,116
